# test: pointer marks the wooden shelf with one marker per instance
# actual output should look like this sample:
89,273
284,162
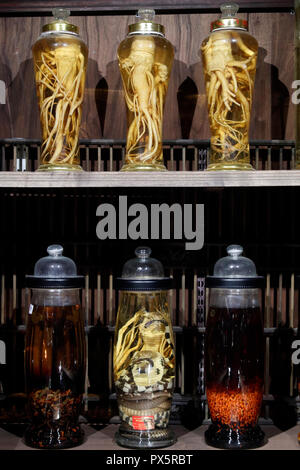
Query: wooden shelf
170,179
186,440
17,6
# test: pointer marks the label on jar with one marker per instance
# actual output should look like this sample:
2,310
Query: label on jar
143,423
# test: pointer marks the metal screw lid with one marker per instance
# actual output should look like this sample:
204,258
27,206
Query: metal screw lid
228,18
145,23
60,23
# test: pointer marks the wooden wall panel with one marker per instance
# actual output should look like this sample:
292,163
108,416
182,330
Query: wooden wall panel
104,110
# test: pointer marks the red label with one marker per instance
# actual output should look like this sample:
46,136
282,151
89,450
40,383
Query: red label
143,423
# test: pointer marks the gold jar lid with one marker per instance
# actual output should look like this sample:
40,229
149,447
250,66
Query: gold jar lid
228,19
145,23
60,24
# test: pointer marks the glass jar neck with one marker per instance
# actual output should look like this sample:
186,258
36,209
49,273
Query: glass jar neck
235,298
55,297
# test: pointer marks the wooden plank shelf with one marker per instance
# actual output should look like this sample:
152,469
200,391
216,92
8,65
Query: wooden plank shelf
168,179
36,6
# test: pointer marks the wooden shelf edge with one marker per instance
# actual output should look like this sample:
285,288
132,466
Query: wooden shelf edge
170,179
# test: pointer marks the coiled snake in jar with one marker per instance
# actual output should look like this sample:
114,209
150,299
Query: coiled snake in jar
144,363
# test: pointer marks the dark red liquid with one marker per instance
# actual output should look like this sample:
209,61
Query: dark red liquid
55,374
234,363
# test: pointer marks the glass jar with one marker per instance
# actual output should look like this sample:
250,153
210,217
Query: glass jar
229,56
145,61
234,353
144,354
55,353
60,61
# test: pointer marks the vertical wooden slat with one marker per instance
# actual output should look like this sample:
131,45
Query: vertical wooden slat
291,323
110,300
98,301
269,164
14,168
182,322
38,157
111,158
293,158
195,299
3,299
87,158
86,384
14,300
195,162
172,158
183,158
257,158
267,324
99,158
279,302
281,158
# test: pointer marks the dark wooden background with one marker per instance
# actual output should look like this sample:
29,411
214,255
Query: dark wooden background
185,112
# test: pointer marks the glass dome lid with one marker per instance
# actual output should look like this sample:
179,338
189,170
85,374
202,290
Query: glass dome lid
143,273
235,271
55,271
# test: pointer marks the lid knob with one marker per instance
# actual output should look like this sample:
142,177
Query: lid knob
234,250
143,252
229,10
61,14
55,250
146,14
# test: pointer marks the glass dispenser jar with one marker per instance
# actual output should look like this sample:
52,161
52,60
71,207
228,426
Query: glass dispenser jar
229,56
234,353
145,61
144,355
55,353
60,61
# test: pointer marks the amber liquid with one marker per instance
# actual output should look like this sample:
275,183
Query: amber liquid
145,64
60,66
55,375
230,72
234,364
144,367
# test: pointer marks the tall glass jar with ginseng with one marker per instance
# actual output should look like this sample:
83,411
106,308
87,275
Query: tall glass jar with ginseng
55,353
229,56
145,61
144,354
60,61
234,353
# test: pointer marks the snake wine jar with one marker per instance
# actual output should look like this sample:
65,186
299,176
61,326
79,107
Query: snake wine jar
60,61
229,56
234,353
144,356
54,353
145,61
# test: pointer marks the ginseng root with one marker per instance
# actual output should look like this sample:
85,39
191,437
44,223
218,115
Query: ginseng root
229,86
60,84
145,84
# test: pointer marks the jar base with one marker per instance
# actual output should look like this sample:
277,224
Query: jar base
143,167
43,437
128,437
224,437
58,167
221,166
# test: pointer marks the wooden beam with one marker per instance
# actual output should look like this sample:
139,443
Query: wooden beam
38,6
